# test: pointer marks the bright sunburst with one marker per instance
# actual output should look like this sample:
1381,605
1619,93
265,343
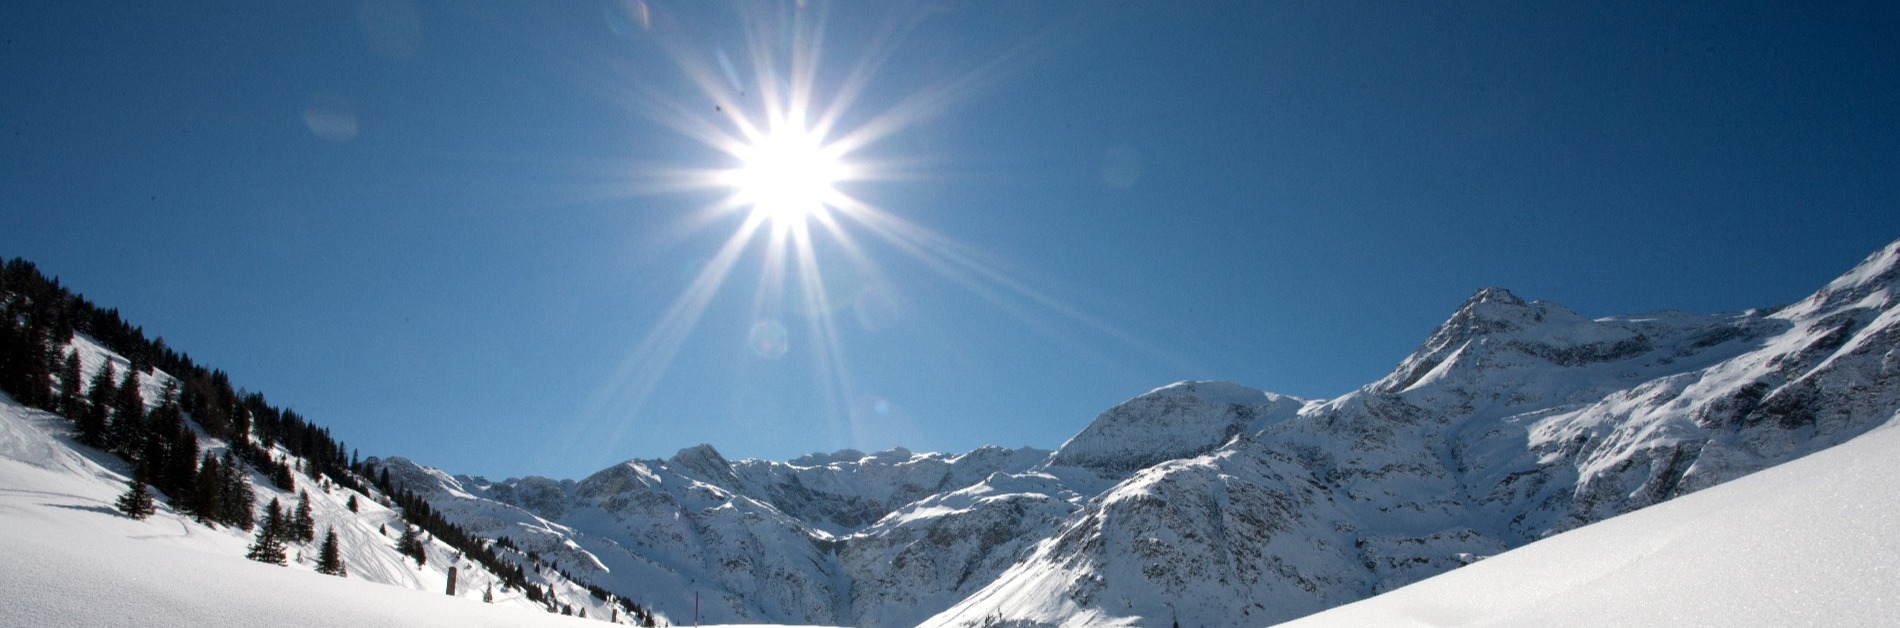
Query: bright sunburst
787,174
787,149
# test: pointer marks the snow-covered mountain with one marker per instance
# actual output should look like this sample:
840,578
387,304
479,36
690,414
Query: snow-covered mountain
1210,503
1515,420
1213,504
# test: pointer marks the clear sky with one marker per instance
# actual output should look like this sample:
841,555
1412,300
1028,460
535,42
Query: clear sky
488,235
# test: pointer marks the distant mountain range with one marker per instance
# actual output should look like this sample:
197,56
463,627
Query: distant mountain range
1196,504
1212,504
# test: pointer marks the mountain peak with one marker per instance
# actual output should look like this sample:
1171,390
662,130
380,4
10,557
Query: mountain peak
704,461
1880,270
1179,420
1487,311
1877,276
1492,295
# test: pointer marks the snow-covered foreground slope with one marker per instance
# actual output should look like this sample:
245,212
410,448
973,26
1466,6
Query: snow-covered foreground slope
68,559
1814,542
78,571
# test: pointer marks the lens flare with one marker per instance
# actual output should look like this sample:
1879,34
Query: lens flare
769,340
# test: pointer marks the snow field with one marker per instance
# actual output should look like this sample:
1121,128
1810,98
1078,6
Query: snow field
1813,542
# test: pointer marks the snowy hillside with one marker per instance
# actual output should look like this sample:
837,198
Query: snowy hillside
1202,503
73,561
1809,543
57,501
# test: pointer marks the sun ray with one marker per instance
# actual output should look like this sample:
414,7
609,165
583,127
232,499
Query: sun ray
792,165
956,262
828,350
638,375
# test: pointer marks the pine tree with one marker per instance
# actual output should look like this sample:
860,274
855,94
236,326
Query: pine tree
25,367
237,494
72,398
241,425
136,502
411,545
180,473
207,492
280,476
276,521
302,526
351,504
93,428
127,434
170,446
330,557
268,547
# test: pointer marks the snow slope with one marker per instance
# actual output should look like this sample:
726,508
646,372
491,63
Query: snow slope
1814,542
72,560
50,484
73,569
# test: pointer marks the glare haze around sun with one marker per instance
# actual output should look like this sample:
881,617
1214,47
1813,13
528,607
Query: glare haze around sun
788,174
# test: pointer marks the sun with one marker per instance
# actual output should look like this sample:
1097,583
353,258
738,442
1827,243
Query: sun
788,174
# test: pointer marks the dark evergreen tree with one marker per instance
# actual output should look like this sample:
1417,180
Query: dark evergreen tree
241,425
268,546
136,502
276,520
93,428
238,494
180,473
281,477
302,527
411,545
207,493
72,389
127,435
25,367
330,557
351,504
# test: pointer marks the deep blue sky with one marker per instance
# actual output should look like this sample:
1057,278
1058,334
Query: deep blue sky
445,229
